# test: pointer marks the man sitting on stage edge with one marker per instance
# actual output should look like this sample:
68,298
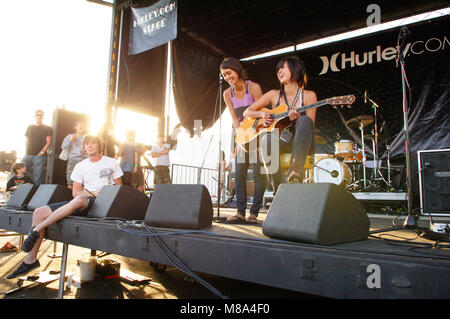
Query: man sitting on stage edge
88,178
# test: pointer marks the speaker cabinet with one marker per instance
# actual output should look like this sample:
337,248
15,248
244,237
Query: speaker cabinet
49,194
21,196
434,181
120,201
63,123
322,213
180,206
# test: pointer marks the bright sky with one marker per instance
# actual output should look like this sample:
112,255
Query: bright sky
56,53
52,53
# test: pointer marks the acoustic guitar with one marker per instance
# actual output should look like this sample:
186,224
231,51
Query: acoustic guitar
252,128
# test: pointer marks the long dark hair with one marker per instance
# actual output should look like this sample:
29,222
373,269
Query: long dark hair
297,69
233,64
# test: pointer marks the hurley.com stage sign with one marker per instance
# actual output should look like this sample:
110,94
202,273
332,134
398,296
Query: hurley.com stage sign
152,26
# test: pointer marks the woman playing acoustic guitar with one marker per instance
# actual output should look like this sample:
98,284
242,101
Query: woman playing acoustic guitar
292,76
241,94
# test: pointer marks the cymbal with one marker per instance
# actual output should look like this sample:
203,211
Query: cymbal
320,140
364,119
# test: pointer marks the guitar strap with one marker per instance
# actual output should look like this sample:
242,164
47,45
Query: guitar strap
289,131
295,100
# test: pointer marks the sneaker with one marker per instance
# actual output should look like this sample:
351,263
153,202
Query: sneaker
28,243
23,269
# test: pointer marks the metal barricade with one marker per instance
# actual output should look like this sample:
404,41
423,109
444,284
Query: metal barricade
185,174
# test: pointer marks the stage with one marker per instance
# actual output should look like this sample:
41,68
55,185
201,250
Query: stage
407,267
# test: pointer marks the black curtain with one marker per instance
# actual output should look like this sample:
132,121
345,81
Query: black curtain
196,82
142,77
428,73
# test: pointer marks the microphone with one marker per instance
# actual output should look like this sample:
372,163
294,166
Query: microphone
365,96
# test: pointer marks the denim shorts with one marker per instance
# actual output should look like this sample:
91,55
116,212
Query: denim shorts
82,212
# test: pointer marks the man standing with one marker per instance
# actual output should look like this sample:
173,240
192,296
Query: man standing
39,139
160,151
88,177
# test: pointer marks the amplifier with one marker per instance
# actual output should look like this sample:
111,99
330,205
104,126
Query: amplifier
434,181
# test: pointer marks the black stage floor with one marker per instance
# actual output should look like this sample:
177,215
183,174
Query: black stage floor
389,264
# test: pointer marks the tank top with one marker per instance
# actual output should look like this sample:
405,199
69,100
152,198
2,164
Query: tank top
241,105
301,101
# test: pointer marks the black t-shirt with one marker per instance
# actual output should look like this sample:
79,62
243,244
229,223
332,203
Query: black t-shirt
37,138
15,181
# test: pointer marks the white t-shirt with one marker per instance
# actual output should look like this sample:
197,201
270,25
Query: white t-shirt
164,159
94,175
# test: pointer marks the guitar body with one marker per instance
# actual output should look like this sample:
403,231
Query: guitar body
251,128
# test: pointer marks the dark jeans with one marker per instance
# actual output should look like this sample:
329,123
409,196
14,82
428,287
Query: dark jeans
301,145
242,165
35,164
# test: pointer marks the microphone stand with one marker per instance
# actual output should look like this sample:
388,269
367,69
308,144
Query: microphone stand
220,149
410,221
375,146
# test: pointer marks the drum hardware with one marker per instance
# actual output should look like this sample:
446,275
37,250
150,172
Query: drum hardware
333,173
375,133
344,148
361,121
357,121
388,166
336,172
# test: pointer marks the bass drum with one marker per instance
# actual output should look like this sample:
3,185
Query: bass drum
319,157
330,170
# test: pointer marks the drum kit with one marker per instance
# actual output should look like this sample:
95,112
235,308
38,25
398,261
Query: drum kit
349,162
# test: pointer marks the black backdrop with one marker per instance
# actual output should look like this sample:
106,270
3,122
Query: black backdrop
63,123
196,70
141,77
427,70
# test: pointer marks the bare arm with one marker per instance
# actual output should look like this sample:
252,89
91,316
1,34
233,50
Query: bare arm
136,163
254,110
48,140
265,100
234,117
77,189
311,98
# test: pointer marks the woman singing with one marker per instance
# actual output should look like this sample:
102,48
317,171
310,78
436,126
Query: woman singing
241,94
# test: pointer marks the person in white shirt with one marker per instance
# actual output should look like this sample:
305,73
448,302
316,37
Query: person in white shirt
88,177
160,151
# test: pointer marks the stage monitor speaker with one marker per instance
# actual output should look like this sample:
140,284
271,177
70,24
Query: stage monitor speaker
49,194
120,201
322,213
180,206
434,181
21,196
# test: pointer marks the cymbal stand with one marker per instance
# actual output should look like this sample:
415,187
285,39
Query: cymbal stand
388,159
375,140
377,171
361,128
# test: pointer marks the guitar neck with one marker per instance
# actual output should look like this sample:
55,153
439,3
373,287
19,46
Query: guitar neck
303,108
